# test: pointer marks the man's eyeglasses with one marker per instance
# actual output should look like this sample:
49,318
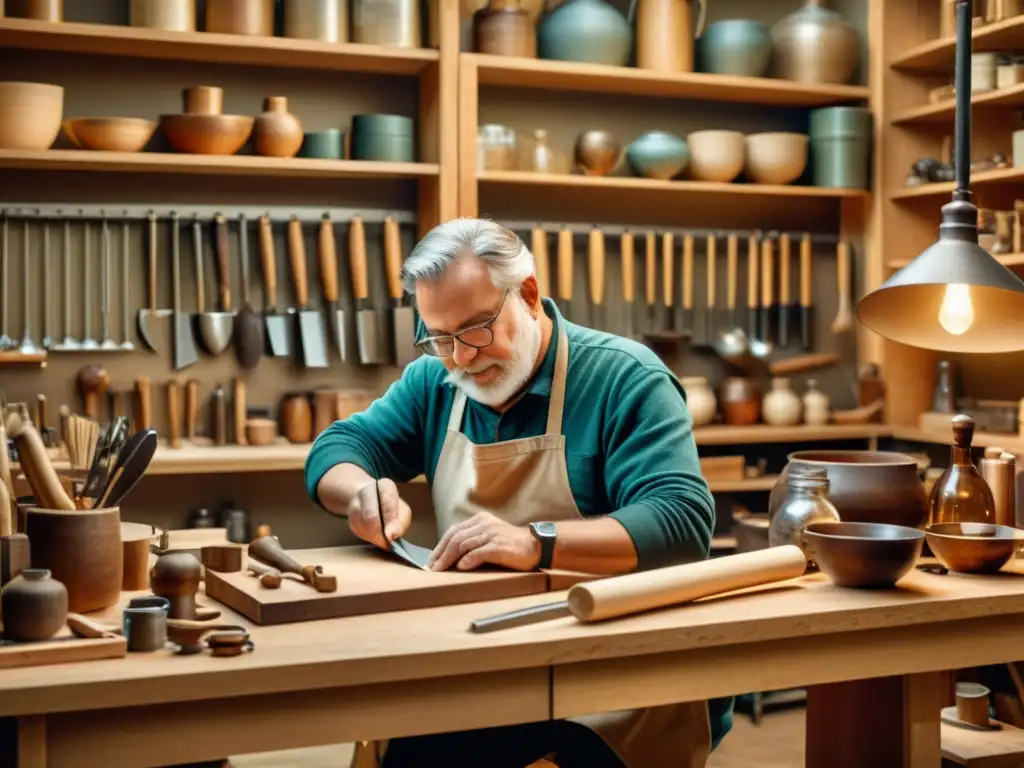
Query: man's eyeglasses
476,336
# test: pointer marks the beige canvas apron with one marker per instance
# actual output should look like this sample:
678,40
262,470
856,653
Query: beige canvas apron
524,481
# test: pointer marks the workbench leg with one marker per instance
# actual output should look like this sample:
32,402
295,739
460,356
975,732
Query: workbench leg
32,741
886,721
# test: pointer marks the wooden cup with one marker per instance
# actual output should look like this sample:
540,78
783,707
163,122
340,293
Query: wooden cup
203,100
136,540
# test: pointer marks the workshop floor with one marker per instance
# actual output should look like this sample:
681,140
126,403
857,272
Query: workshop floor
778,742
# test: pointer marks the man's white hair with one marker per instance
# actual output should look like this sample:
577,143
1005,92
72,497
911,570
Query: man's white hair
508,259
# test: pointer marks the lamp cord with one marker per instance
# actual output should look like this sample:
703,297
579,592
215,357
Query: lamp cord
962,86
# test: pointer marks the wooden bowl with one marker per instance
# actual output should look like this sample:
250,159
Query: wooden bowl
261,431
973,547
715,155
30,115
207,134
775,158
109,134
863,554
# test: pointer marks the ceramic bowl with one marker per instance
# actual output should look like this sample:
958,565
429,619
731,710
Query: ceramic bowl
206,134
863,554
30,115
658,155
110,134
973,547
775,158
597,152
740,47
715,155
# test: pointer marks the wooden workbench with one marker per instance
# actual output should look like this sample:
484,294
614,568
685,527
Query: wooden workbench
388,675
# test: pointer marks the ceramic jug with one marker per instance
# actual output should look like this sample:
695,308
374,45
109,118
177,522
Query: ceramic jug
590,31
665,33
782,406
700,400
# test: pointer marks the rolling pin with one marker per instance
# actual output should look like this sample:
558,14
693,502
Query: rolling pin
268,550
620,596
36,466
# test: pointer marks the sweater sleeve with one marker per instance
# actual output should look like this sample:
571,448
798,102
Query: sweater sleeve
385,440
652,472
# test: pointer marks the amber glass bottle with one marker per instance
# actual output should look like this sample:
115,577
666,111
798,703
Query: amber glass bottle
961,495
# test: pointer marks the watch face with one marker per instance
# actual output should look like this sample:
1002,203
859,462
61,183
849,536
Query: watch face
544,530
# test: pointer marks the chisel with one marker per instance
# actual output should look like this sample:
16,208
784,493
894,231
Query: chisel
805,292
312,334
595,277
712,288
542,264
753,267
327,253
565,272
404,320
184,343
686,285
767,289
668,246
369,328
784,308
650,281
278,339
628,247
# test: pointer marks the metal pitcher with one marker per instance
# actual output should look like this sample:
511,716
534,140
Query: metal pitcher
665,33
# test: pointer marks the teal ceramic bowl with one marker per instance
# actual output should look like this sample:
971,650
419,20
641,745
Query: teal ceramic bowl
735,47
658,155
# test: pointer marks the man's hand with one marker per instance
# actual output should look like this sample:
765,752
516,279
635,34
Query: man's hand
365,517
484,538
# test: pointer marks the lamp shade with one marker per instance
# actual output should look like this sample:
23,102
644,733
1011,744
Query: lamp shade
984,301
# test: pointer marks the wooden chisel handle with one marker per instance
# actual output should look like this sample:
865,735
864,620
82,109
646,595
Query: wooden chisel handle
843,270
269,261
241,412
688,272
36,466
144,414
297,261
732,256
173,414
151,252
197,246
357,259
393,258
784,279
539,246
767,273
668,247
805,270
327,250
223,249
650,262
712,254
628,247
191,408
565,264
753,267
595,265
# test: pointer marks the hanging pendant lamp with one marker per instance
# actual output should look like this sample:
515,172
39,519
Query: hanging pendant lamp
955,296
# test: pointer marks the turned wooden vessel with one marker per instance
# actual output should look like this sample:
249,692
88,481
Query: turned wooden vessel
176,576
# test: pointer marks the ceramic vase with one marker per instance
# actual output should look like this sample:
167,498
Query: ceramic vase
658,155
782,406
816,405
741,401
815,45
34,606
590,31
277,133
735,47
596,153
700,399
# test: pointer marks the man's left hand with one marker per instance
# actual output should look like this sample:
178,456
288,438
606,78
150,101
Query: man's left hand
485,538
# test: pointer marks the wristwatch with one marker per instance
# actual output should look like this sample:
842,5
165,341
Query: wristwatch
546,534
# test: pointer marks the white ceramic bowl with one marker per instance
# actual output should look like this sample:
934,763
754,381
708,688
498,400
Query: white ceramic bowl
775,158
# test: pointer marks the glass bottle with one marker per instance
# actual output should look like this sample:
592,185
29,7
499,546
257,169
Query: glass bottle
806,502
961,495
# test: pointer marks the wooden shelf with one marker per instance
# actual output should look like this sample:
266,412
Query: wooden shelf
1011,443
1006,259
745,485
208,47
762,433
937,55
701,189
945,188
14,357
547,75
228,165
942,112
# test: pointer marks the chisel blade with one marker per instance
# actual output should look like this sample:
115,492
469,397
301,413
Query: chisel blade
313,337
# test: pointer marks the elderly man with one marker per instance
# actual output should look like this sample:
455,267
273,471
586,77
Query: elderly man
546,445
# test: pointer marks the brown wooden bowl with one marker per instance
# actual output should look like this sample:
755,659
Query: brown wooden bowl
109,134
207,134
973,547
30,115
863,554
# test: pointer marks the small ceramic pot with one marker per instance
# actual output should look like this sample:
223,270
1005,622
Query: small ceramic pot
34,606
324,20
776,157
388,138
145,624
277,132
590,31
983,72
816,405
171,15
658,155
203,100
782,406
741,402
596,152
740,47
717,155
240,17
700,400
841,147
323,145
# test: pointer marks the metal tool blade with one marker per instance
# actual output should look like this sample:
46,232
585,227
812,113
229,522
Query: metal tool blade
327,255
370,331
312,330
184,344
278,339
404,319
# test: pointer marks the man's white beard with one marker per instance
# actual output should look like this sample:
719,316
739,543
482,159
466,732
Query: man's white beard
514,372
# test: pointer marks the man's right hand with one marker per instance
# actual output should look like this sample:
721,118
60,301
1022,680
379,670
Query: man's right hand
365,517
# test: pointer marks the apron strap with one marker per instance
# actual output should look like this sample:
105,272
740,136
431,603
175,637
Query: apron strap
458,410
557,404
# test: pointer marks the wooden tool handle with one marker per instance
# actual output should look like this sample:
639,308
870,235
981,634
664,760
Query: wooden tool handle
393,258
268,550
241,412
595,264
83,626
802,363
220,417
269,260
144,403
63,414
650,273
805,270
688,271
6,510
843,269
539,246
191,408
357,259
712,254
223,249
753,261
668,247
627,244
767,273
174,414
151,277
197,247
297,261
565,265
732,257
327,251
42,417
36,466
270,578
662,587
784,255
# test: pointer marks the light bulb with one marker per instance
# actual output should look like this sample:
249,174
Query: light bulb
956,315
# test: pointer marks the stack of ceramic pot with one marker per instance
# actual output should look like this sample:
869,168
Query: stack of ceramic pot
841,147
389,138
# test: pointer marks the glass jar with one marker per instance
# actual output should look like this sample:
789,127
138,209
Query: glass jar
496,148
806,502
539,157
